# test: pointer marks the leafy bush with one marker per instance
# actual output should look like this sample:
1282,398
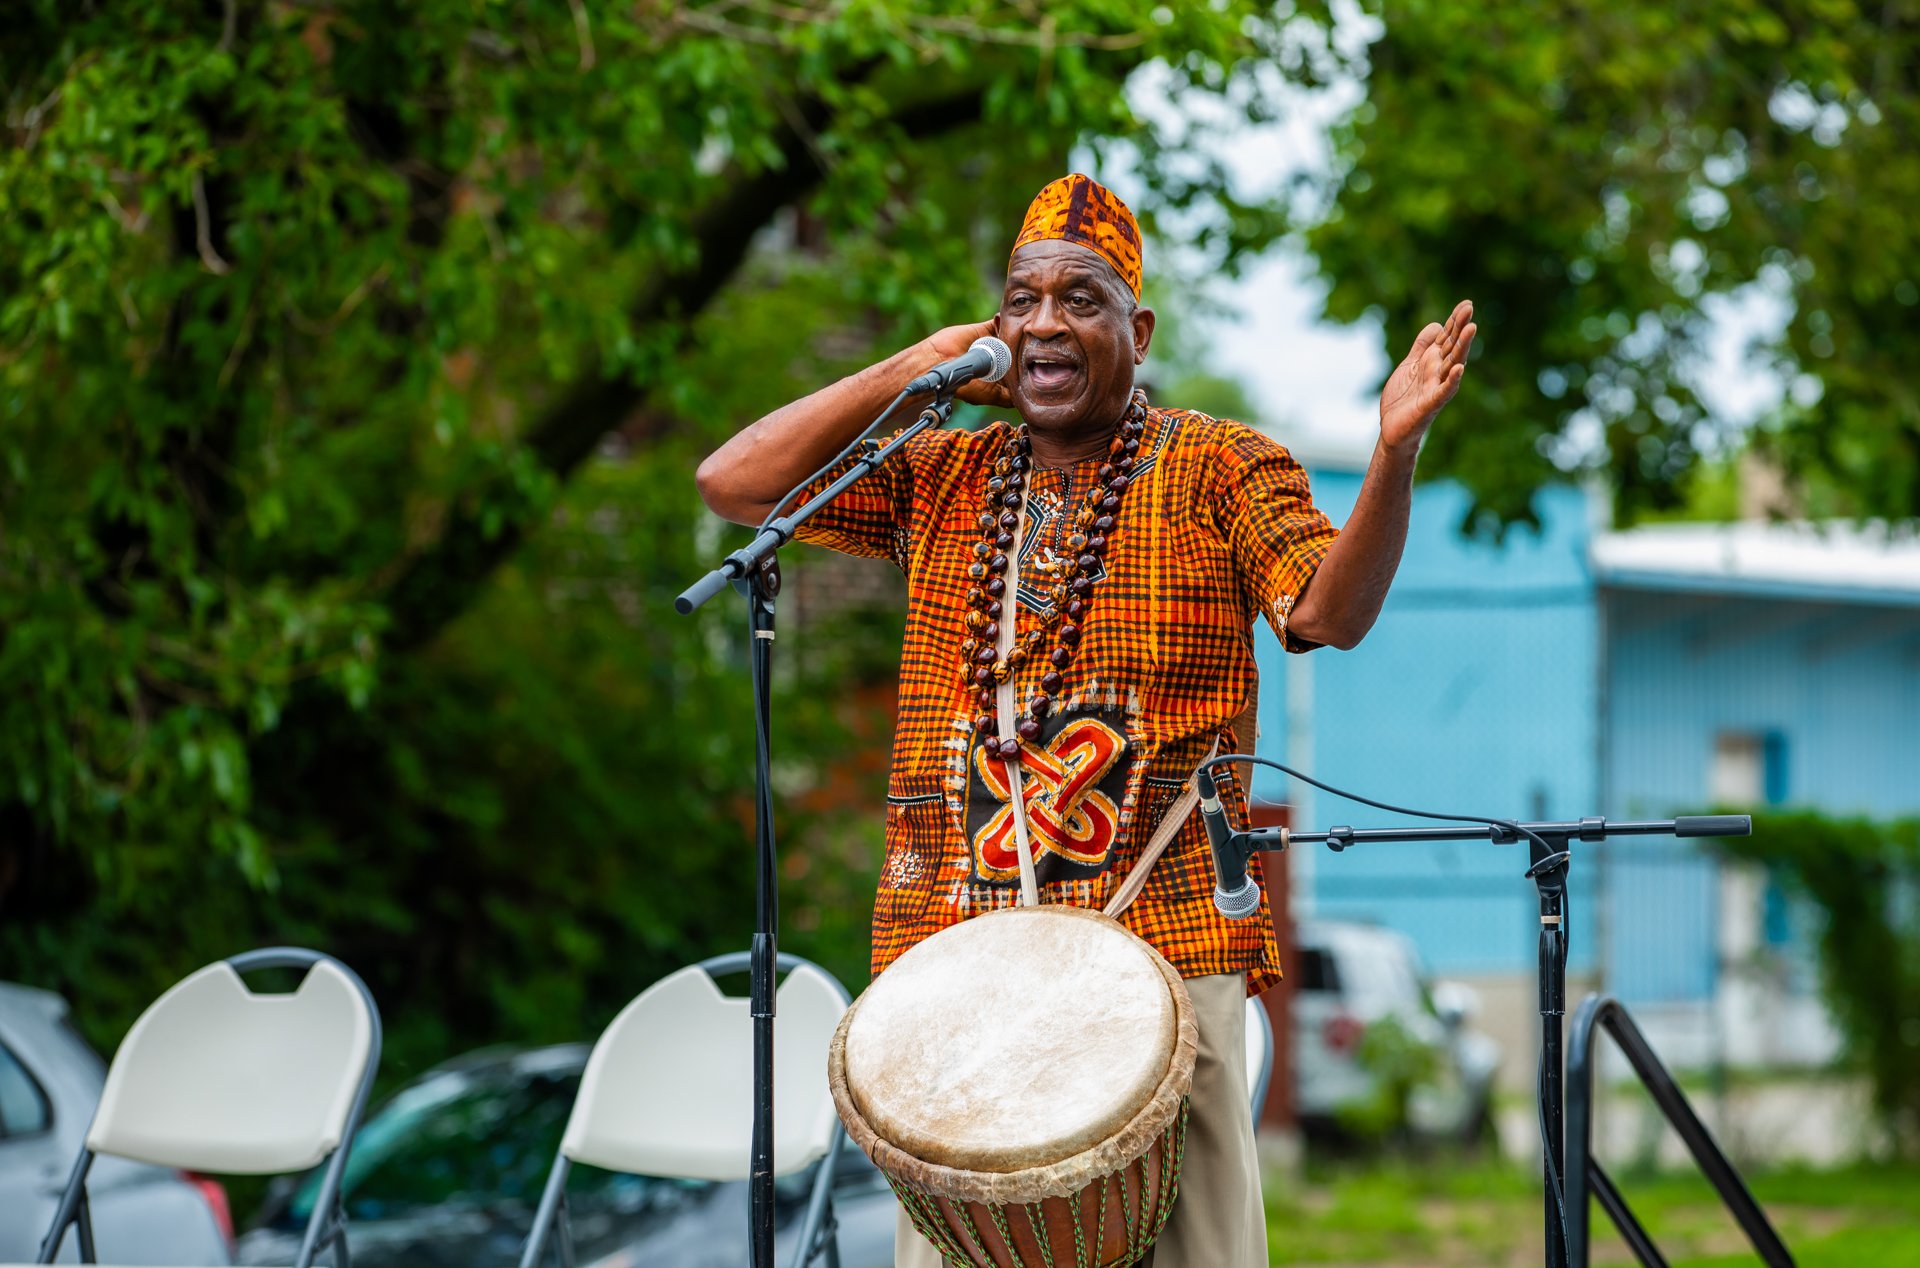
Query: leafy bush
1400,1064
530,820
1865,878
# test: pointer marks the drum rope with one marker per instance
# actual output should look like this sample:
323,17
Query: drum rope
1143,1218
1035,1211
1172,1189
1100,1228
999,1214
973,1231
1147,1230
926,1217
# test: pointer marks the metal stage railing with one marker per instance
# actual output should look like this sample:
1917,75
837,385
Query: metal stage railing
1586,1178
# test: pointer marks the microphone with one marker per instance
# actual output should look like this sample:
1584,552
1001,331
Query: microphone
987,359
1234,893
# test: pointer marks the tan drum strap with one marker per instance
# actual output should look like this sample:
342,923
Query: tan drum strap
1168,828
1010,616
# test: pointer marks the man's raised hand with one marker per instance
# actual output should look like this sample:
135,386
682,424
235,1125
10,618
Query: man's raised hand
1421,385
954,342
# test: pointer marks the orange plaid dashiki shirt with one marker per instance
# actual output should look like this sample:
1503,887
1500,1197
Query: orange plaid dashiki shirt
1217,525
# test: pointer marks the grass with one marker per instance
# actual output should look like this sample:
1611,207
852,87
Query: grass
1448,1211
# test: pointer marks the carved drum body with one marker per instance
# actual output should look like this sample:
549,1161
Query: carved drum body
1021,1078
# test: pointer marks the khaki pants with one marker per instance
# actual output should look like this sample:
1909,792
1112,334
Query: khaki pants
1218,1221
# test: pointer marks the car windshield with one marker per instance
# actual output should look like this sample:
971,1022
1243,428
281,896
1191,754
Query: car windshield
1317,971
1376,974
478,1137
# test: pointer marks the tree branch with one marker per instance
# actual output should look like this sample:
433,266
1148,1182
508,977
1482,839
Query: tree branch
438,584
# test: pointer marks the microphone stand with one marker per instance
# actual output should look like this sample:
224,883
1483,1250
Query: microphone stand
755,574
1548,858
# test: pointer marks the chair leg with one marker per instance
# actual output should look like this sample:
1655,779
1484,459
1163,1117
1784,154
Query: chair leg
68,1211
819,1217
85,1222
563,1228
342,1257
830,1234
552,1211
328,1224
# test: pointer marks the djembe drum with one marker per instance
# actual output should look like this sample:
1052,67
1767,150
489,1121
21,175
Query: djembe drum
1021,1079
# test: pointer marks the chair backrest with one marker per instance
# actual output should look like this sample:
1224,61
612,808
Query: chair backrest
214,1077
668,1089
1259,1054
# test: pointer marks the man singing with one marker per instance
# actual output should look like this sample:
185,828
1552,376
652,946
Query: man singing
1085,582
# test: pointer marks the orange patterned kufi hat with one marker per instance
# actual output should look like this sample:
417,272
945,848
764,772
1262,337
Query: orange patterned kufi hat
1080,210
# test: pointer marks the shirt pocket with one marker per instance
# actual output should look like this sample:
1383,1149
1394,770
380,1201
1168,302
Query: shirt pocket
1186,868
916,846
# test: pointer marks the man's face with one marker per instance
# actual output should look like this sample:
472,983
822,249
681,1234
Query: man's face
1075,334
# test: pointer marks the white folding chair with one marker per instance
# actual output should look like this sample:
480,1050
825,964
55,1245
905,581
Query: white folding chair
668,1092
1259,1055
214,1077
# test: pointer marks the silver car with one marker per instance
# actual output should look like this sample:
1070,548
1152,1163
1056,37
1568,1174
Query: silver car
50,1082
1358,980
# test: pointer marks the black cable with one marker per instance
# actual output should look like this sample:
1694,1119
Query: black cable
1551,859
838,458
1508,824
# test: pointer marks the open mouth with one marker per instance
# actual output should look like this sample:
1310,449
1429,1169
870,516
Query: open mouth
1049,370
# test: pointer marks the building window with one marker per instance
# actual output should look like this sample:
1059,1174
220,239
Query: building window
1749,769
1735,778
1773,768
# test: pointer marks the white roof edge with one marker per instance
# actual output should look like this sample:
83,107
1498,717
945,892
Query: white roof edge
1795,557
1325,450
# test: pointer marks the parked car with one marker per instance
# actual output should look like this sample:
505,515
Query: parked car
50,1082
1356,979
449,1170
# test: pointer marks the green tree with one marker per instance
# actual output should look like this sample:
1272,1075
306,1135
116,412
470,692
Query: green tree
353,363
1592,175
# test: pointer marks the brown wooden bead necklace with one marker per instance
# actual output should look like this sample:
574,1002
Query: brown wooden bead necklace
988,599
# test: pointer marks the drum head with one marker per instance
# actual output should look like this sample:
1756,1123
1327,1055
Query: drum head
1012,1040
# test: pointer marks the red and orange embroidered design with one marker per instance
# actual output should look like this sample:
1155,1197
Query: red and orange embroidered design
1070,816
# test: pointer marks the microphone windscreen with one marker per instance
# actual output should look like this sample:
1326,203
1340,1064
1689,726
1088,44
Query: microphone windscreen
1001,354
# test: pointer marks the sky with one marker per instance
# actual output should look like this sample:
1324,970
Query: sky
1315,382
1319,381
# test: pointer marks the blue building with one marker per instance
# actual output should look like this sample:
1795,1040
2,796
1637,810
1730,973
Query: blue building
1572,671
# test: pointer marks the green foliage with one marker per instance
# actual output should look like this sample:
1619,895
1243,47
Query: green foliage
1593,176
1709,493
354,360
1865,878
531,818
1399,1063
